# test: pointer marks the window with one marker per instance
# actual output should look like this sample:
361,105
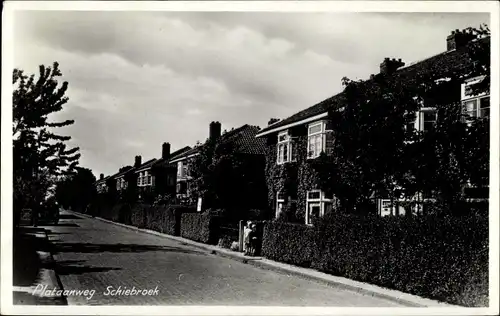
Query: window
411,125
170,180
484,107
427,119
280,203
474,106
318,205
319,139
181,187
477,107
424,120
285,148
121,184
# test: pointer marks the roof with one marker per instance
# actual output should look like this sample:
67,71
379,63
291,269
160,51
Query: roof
122,173
102,180
243,138
146,165
439,63
185,154
172,155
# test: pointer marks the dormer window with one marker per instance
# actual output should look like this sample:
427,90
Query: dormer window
319,139
285,148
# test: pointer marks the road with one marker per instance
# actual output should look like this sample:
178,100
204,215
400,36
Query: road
94,255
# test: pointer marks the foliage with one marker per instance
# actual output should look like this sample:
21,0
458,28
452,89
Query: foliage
200,227
226,179
289,243
374,152
76,191
40,156
444,258
164,199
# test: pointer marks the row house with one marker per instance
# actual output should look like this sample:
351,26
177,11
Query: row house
183,162
244,145
102,184
306,134
158,176
155,176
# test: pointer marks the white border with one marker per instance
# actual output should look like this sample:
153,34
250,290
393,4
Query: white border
255,6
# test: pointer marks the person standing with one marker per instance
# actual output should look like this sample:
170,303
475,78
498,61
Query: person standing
253,239
246,239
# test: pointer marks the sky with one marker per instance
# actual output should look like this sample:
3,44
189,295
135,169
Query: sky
138,79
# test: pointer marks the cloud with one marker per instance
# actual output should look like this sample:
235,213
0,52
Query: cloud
138,79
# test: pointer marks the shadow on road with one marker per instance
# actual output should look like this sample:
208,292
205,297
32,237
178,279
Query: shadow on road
75,267
49,232
69,216
62,225
97,248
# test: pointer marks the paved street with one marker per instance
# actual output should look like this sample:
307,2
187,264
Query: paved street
95,255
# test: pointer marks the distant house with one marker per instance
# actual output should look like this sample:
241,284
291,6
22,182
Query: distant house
244,145
125,178
101,184
304,135
157,176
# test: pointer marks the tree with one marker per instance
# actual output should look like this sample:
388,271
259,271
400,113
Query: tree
226,179
77,190
40,156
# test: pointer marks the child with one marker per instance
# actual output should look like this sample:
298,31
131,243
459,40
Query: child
252,236
246,239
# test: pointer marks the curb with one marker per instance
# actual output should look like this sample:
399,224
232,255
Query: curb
409,300
47,277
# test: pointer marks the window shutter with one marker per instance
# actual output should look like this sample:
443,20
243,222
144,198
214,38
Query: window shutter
329,142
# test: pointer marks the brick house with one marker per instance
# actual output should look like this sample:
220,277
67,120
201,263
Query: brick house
102,184
245,146
157,176
125,179
304,135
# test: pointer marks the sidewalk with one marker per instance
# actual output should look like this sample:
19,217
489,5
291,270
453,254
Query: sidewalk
33,268
339,282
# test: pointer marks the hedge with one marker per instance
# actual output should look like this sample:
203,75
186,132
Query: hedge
200,227
289,243
165,219
439,258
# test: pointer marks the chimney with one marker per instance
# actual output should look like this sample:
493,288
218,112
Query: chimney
215,129
389,66
137,161
165,151
272,121
101,176
458,39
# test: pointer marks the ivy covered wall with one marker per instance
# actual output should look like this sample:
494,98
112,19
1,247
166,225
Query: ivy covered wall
294,178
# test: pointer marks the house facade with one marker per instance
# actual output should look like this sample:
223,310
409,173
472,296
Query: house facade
157,176
102,184
124,182
248,149
302,137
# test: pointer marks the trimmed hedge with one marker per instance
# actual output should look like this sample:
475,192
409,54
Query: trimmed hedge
439,258
200,227
164,219
290,243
